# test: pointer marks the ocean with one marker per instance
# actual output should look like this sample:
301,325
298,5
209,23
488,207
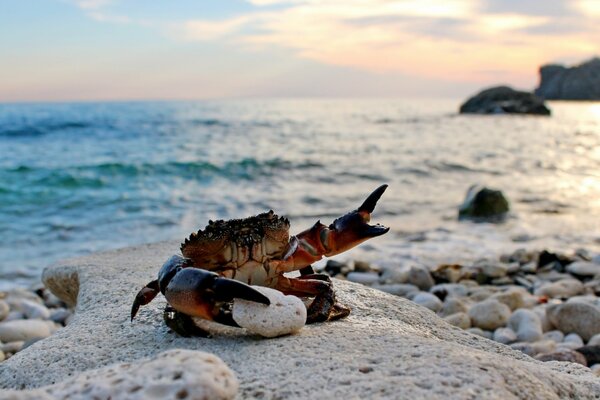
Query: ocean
84,177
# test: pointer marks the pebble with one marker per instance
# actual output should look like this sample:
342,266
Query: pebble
513,298
60,315
14,315
556,336
526,324
25,329
394,275
4,309
460,319
573,338
581,318
492,268
594,340
505,335
532,349
480,293
419,276
481,332
591,354
540,310
583,268
34,310
596,369
2,356
12,347
452,305
443,290
563,355
560,289
362,266
428,300
285,315
365,278
489,314
399,289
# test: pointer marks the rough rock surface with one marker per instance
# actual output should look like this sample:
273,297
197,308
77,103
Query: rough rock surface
387,348
581,82
285,315
504,100
173,374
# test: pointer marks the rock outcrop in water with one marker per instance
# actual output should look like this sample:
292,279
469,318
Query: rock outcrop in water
483,204
504,100
387,348
581,82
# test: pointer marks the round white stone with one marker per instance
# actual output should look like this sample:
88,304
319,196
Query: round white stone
285,315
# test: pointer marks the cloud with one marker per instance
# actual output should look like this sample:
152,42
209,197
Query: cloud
91,4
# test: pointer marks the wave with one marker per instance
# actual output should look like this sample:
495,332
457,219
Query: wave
42,128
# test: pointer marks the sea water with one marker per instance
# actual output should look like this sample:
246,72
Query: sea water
84,177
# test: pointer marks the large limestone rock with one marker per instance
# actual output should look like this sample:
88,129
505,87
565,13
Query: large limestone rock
581,82
387,348
504,100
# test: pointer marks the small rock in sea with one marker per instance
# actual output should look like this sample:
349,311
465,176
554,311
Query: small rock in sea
513,298
285,315
25,329
505,335
419,276
4,309
594,340
563,355
526,324
399,289
591,354
561,289
556,336
483,205
365,278
452,305
460,320
573,338
481,332
581,318
489,314
583,268
33,310
504,100
428,300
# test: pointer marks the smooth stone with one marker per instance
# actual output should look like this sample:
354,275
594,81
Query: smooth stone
173,374
397,289
489,314
493,269
4,309
60,315
505,335
588,298
560,289
365,278
513,298
580,318
480,294
529,268
285,315
453,305
447,290
594,340
362,266
526,324
395,274
573,338
540,310
34,310
583,268
419,276
459,319
14,316
591,354
567,346
482,204
428,300
534,348
556,336
25,329
387,348
448,273
596,369
563,355
12,347
481,332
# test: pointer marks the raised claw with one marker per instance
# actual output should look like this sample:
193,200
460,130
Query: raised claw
369,204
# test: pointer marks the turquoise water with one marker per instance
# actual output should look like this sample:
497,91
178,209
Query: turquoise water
77,178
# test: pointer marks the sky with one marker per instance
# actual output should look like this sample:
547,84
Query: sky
64,50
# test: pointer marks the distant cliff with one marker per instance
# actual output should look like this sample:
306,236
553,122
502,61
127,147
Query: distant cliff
581,82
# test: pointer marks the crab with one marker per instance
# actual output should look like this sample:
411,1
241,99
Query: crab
220,263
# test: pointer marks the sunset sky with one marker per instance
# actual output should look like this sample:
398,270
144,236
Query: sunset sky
190,49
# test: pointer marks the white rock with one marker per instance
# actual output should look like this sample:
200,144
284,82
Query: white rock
526,324
513,298
556,336
505,335
419,276
285,315
34,310
394,274
14,315
540,310
581,318
453,305
365,278
596,369
12,347
573,338
428,300
25,329
4,309
489,314
493,269
561,288
459,319
583,268
594,340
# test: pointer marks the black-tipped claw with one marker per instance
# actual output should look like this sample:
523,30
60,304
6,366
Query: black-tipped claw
369,204
376,230
228,289
144,296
